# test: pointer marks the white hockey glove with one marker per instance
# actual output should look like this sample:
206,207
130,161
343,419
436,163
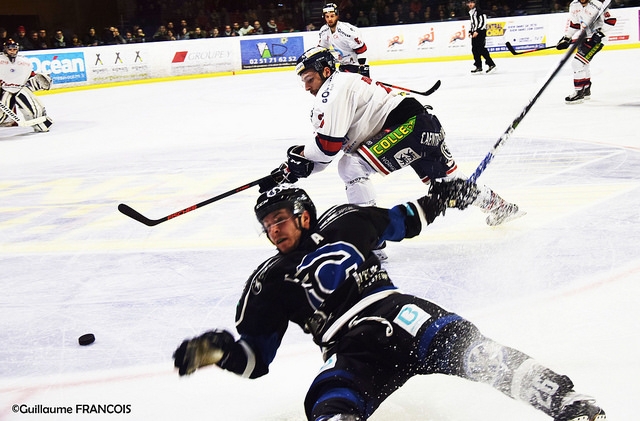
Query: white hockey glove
207,349
39,82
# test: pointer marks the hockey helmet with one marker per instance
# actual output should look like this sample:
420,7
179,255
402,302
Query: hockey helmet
330,7
285,196
10,48
316,58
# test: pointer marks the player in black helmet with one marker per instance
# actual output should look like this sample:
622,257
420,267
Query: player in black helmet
326,279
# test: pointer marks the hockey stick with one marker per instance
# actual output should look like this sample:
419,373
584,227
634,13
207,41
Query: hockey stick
507,134
516,53
424,93
22,123
132,213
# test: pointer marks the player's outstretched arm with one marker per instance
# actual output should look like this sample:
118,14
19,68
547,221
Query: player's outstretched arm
207,349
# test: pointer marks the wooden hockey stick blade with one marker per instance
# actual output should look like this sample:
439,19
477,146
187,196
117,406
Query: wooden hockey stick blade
424,93
134,214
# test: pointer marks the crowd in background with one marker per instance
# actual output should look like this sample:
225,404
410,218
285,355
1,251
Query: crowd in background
168,20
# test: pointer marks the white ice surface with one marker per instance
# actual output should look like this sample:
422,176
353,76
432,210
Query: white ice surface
561,284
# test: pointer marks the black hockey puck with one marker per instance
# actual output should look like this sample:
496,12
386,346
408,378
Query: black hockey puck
86,339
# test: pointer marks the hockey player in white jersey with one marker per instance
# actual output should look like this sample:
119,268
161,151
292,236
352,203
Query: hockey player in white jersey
345,39
17,84
378,131
581,13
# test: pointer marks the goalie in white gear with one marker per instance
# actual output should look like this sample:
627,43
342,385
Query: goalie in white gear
18,83
378,131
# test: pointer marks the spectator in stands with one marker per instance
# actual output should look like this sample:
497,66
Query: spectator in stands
21,37
139,36
246,29
91,39
236,29
58,40
184,33
362,21
75,41
228,32
272,26
161,34
215,32
199,33
373,16
257,28
3,36
32,43
43,40
115,37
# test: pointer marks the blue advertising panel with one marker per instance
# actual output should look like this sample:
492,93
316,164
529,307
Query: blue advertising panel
63,67
270,52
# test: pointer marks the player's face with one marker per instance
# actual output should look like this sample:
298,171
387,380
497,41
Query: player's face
283,229
312,80
331,19
11,51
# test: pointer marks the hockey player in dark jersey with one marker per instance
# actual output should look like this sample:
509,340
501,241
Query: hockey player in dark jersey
326,279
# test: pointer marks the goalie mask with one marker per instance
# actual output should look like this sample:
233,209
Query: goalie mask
283,196
10,49
316,58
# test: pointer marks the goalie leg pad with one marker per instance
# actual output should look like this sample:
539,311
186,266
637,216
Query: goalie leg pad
29,104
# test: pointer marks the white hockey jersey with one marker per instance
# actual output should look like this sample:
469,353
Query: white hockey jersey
14,75
348,110
346,41
580,16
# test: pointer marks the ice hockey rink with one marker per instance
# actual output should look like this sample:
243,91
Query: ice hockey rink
561,283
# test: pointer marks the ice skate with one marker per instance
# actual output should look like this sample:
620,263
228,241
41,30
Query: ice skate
477,70
491,68
577,97
587,91
500,210
581,410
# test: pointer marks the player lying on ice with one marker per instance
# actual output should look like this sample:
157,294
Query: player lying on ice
326,279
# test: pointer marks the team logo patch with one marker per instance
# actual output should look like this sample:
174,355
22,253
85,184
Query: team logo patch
411,318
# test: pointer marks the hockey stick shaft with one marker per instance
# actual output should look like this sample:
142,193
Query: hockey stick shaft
134,214
13,116
507,134
423,93
516,53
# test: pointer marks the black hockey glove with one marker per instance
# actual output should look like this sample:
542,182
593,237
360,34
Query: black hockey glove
278,176
207,349
595,39
298,165
456,193
564,43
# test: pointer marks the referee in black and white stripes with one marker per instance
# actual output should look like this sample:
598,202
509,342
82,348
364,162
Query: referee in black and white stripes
478,32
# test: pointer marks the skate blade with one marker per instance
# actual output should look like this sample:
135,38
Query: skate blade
493,222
